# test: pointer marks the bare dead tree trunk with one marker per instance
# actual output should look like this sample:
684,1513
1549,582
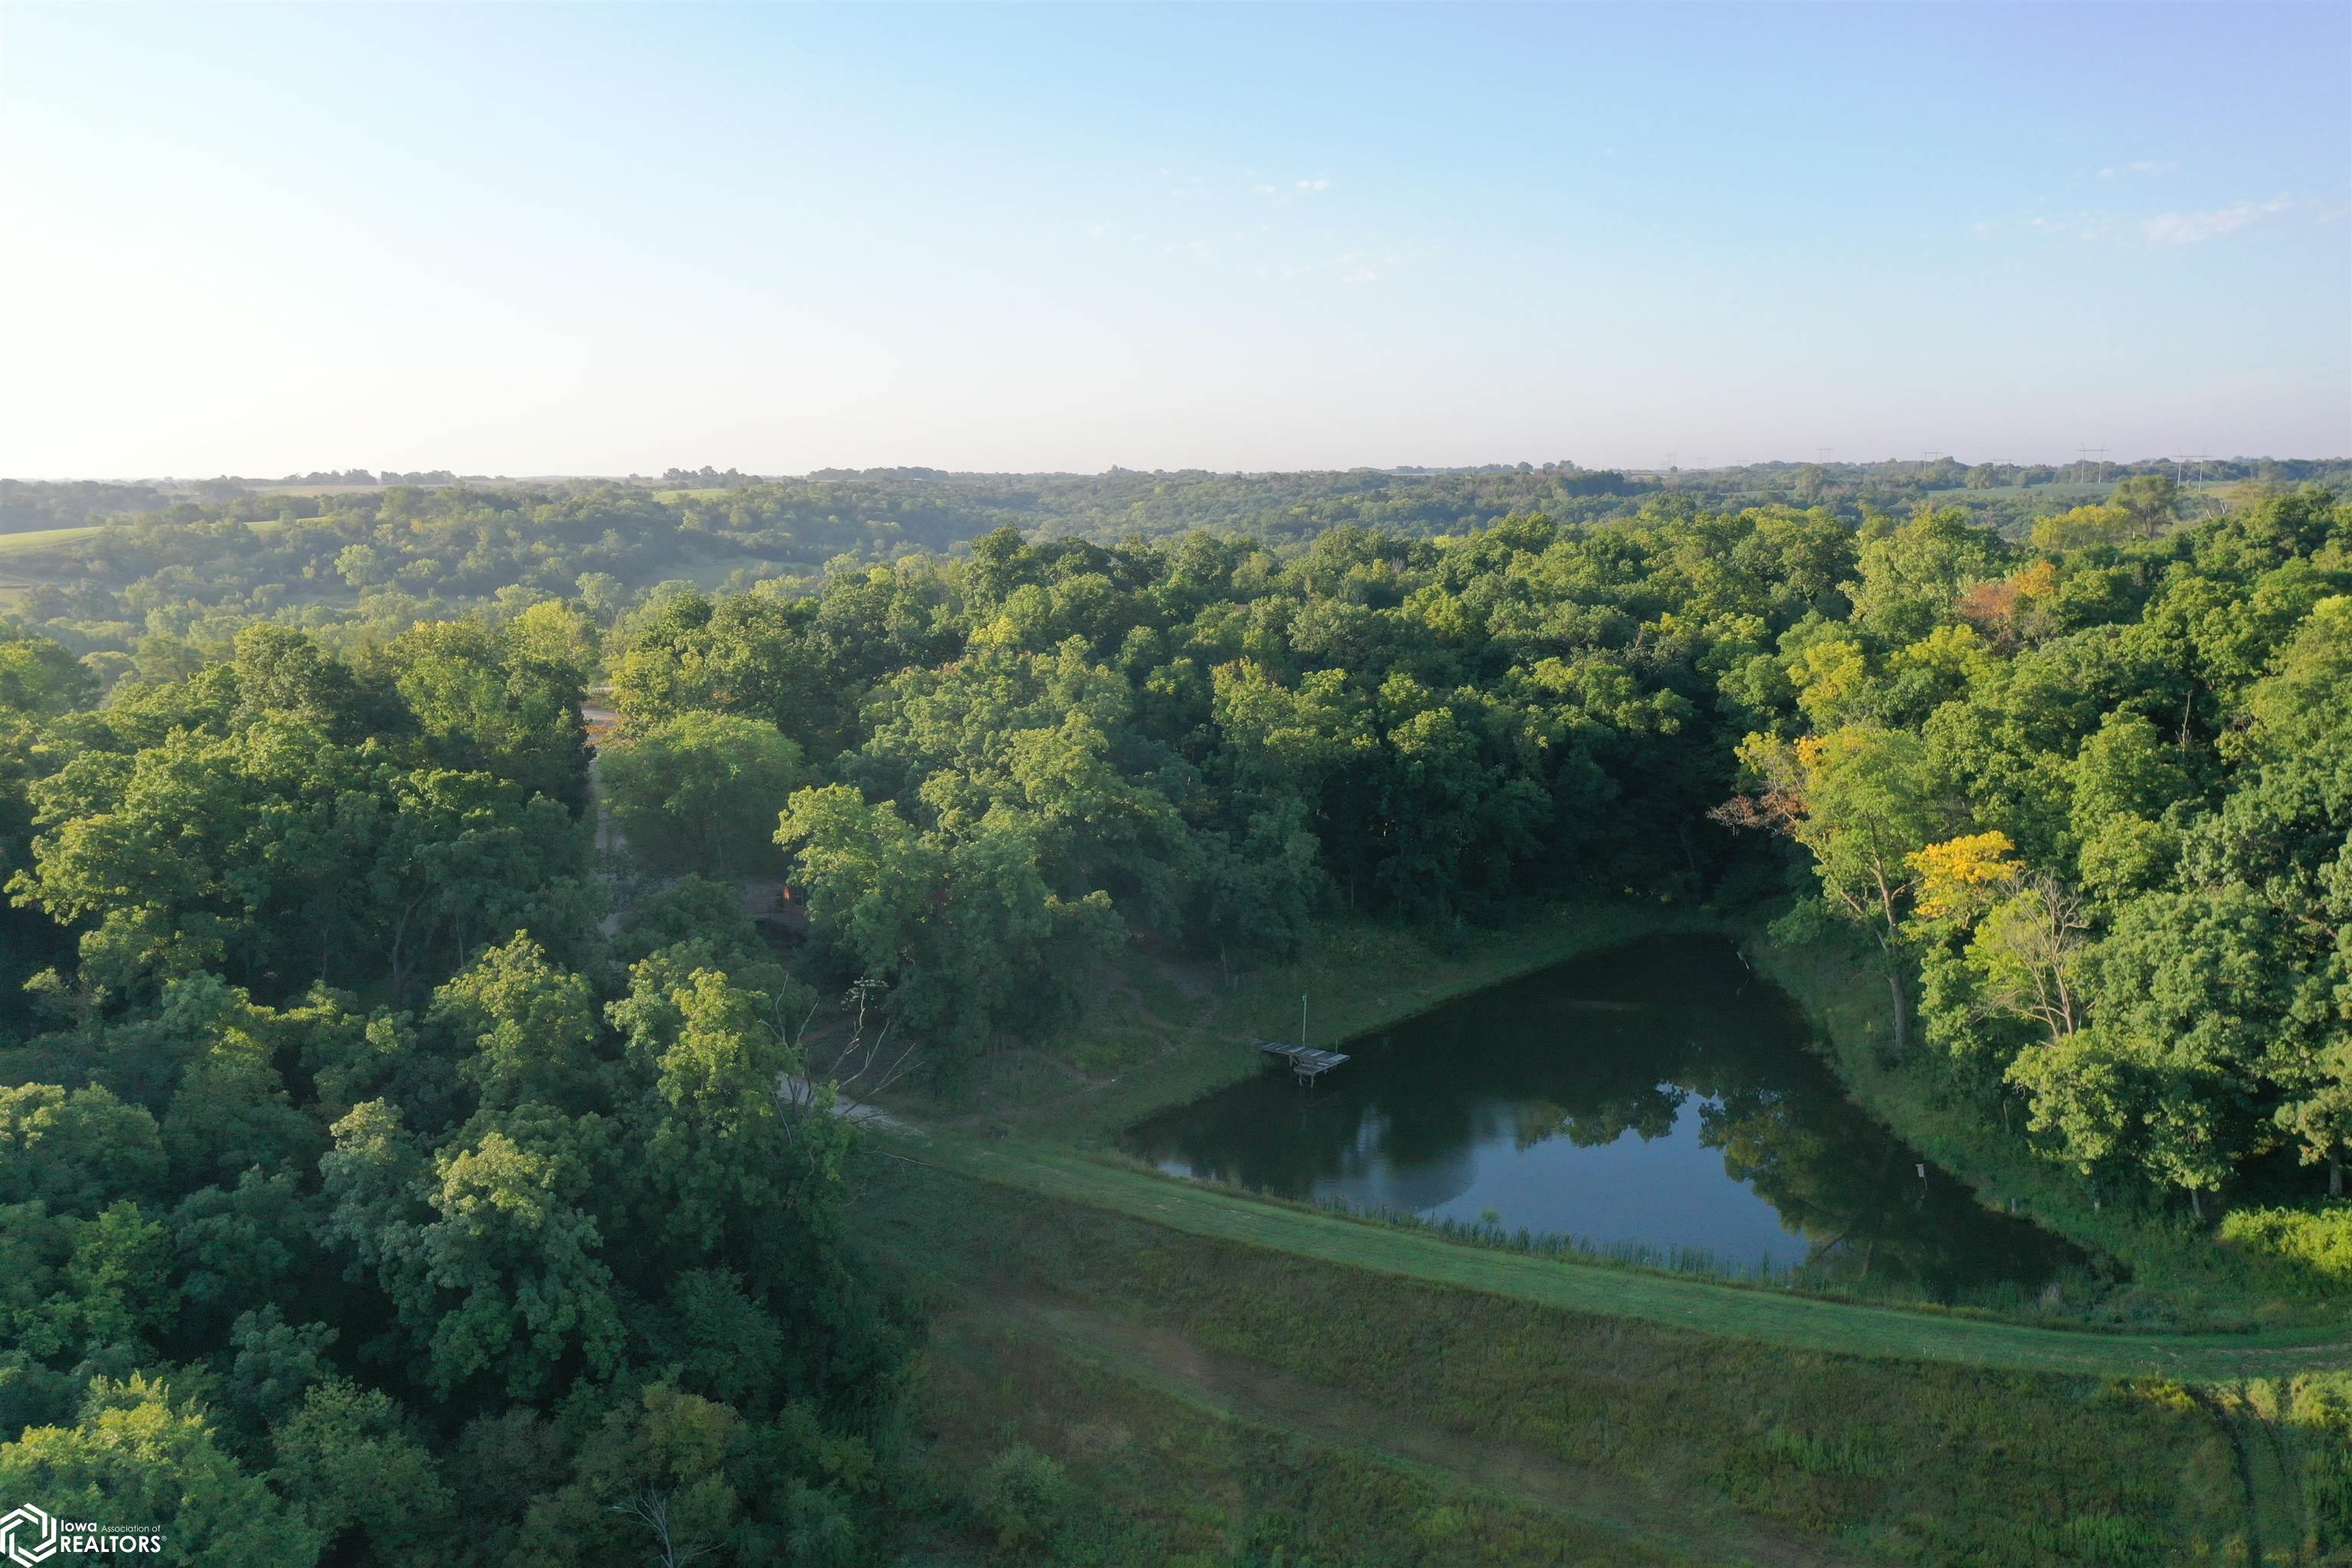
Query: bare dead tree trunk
801,1089
400,965
651,1509
1891,958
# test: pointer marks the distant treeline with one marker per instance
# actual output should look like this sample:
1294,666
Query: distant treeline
28,505
362,564
362,477
1408,497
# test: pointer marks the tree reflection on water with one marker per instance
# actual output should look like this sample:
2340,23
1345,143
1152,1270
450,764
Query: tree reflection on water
1656,1094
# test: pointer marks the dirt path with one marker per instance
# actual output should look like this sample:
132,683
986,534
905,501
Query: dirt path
1238,1388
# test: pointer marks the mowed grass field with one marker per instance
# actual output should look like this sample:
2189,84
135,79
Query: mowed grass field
42,540
1225,1380
26,559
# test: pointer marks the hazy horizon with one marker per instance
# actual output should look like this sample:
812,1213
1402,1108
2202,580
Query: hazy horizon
296,475
596,241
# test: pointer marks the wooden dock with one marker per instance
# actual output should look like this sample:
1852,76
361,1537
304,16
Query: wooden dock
1306,1063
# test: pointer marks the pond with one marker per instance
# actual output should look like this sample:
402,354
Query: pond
1657,1099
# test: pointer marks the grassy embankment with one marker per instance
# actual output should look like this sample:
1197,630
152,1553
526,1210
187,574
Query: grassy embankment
1221,1378
1763,1314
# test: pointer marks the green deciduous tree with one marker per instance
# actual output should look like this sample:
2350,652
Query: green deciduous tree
727,1164
136,1458
970,937
500,701
529,1029
40,677
700,792
2148,501
76,1149
349,1467
239,1246
1864,802
508,1277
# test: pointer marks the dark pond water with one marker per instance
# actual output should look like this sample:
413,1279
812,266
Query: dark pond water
1656,1096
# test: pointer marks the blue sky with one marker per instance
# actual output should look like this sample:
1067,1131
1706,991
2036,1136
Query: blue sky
541,239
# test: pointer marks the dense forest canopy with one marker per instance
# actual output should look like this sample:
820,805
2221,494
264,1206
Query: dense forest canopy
359,1144
343,1147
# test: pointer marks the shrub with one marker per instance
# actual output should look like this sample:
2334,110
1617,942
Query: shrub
1023,1496
2312,1248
